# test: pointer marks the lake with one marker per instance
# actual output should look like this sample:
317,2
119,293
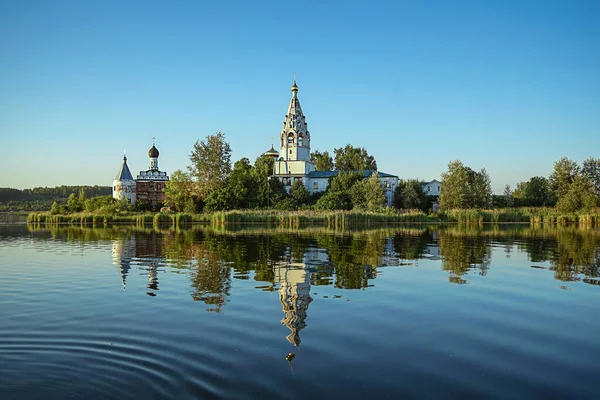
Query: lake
418,312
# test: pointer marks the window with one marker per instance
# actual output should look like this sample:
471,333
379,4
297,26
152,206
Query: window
316,186
286,181
300,140
290,151
291,139
438,188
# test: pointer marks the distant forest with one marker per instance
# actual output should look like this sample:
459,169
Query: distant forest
41,198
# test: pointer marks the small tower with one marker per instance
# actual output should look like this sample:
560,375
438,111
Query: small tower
123,184
153,154
273,154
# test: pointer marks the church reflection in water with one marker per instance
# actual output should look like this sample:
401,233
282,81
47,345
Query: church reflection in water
291,262
294,295
292,276
146,255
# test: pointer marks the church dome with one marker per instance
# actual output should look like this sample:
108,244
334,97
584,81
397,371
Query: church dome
153,152
272,153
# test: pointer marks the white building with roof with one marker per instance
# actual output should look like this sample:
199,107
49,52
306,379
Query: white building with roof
124,187
432,188
292,163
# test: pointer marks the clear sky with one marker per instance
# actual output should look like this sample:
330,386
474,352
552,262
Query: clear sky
507,85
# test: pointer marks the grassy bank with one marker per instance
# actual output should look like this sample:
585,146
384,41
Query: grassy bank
97,220
330,219
533,215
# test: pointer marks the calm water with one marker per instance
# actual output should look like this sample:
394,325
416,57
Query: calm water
449,312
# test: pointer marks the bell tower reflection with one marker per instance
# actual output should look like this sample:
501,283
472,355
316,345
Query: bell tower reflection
294,295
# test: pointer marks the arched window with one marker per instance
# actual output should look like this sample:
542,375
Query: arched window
290,139
300,140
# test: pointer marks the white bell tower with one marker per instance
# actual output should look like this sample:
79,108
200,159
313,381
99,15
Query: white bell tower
294,141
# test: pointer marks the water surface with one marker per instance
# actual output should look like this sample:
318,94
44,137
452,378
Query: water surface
416,312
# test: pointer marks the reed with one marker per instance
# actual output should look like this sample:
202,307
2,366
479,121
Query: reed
338,220
533,215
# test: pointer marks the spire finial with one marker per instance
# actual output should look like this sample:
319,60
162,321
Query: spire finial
124,155
294,86
153,141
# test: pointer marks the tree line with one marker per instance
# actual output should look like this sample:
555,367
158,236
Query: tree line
569,188
40,198
211,183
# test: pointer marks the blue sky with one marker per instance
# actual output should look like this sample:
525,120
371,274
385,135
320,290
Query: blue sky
507,85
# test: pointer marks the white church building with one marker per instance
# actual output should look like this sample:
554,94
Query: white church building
293,163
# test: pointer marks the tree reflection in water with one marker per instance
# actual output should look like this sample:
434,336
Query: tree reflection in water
346,260
463,252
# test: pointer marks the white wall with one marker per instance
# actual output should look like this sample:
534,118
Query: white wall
124,189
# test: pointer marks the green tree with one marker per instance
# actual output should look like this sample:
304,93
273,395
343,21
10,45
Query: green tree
269,191
73,203
334,201
81,199
299,196
409,195
219,199
242,184
563,175
350,158
464,188
480,189
322,161
536,192
368,194
55,209
591,169
579,195
211,164
539,192
178,191
344,181
454,192
508,196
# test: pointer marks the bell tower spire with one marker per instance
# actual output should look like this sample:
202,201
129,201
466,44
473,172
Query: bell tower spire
294,137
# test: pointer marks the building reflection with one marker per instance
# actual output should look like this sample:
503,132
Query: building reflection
146,253
123,252
294,295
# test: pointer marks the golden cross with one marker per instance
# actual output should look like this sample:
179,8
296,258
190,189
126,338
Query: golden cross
153,140
272,140
294,78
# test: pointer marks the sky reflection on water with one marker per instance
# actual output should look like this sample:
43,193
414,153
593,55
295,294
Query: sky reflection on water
412,311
